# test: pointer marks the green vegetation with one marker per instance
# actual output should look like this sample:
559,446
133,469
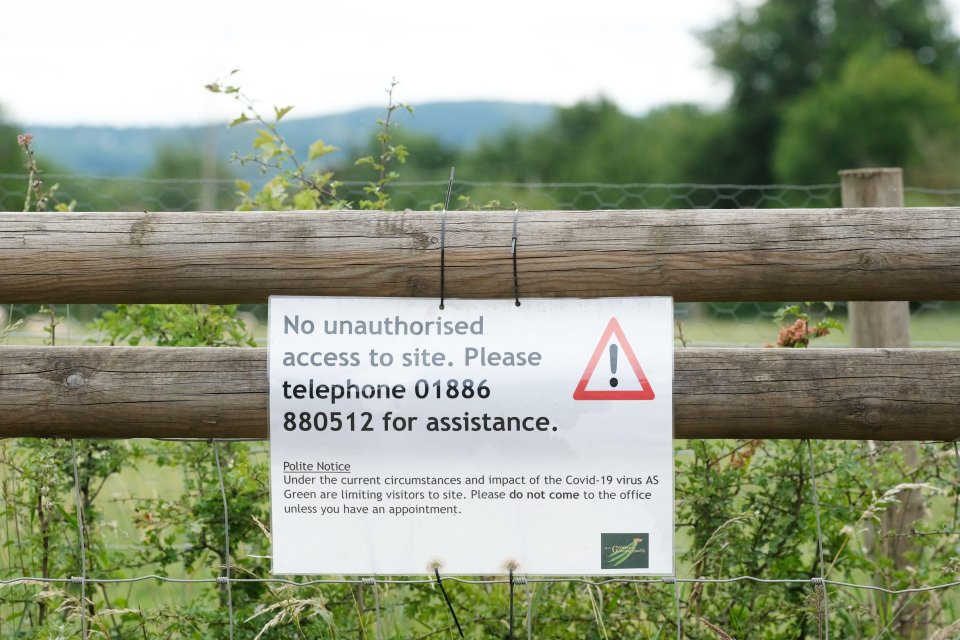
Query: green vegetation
884,110
781,51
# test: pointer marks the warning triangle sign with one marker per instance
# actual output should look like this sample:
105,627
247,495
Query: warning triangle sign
609,390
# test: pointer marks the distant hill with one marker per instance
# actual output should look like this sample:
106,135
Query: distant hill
112,151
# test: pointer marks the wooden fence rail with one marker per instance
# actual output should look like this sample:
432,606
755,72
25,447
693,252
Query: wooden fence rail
128,392
735,255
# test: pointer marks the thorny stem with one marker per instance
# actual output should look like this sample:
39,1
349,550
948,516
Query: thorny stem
34,184
683,341
385,136
45,554
53,325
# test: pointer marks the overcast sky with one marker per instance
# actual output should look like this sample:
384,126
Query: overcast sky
124,62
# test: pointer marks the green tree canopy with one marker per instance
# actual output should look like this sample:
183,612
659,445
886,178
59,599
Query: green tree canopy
883,110
11,162
596,142
186,178
777,52
13,171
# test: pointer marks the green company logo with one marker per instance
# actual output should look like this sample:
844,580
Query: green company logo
624,550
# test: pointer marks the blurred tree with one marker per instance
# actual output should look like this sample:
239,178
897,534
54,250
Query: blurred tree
592,141
11,162
596,142
556,151
883,110
187,180
13,172
11,158
783,48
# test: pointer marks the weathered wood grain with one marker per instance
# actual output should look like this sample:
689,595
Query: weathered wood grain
700,255
125,392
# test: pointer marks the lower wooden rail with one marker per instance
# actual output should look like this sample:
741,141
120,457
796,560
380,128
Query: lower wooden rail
145,392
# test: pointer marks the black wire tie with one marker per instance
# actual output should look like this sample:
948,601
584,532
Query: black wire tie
513,253
443,238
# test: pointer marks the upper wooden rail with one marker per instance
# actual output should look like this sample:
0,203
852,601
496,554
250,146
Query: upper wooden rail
697,255
130,392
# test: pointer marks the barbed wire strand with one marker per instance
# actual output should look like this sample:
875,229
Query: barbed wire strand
83,544
816,511
226,535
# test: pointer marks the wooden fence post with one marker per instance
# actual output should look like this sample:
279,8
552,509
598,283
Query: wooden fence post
875,324
887,324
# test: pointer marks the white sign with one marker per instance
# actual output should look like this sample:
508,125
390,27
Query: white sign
478,439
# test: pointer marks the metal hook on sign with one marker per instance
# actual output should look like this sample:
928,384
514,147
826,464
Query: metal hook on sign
443,237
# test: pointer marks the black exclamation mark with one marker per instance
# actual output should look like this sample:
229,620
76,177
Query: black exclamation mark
613,364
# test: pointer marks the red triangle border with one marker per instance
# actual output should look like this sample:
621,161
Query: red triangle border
645,392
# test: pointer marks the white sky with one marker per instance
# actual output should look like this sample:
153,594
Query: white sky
128,62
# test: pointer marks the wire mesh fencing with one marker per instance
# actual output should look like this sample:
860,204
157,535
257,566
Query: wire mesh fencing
115,193
116,539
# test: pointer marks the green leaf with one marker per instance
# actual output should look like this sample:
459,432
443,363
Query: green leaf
321,178
831,323
240,120
264,138
244,186
282,112
306,200
792,310
320,148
